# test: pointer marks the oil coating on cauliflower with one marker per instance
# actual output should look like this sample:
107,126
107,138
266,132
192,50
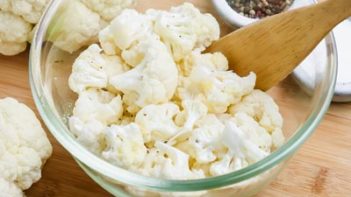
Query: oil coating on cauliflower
24,147
184,29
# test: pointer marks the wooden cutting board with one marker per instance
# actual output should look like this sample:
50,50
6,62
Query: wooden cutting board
320,168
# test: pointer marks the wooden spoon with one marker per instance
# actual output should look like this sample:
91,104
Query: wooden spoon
274,46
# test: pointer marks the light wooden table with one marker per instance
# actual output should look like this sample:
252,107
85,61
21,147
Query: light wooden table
320,168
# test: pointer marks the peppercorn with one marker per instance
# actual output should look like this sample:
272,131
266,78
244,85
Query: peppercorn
259,8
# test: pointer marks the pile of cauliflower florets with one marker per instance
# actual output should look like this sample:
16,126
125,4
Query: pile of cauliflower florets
78,22
150,101
24,148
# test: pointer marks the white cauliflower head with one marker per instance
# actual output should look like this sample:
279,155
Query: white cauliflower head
153,80
108,9
216,88
93,69
128,28
9,189
24,147
184,29
124,145
17,20
14,32
156,121
100,105
29,10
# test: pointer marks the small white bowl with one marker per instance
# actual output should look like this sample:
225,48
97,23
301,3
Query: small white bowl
235,19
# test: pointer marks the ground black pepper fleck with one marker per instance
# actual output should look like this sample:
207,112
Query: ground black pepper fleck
259,8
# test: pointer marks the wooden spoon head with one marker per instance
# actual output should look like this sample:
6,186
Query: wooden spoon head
274,46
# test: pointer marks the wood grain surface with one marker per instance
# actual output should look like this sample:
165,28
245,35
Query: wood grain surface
320,168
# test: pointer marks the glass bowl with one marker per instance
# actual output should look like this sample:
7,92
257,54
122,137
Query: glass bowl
49,71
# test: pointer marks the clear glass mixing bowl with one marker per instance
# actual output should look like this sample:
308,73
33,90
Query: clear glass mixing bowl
49,71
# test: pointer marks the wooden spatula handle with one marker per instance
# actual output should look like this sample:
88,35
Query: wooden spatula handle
274,46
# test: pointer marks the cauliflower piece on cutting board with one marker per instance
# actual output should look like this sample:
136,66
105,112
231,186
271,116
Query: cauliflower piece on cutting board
24,147
14,32
17,19
77,24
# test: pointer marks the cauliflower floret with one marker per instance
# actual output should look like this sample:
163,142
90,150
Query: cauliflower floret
100,105
125,145
24,147
126,29
203,142
12,48
108,9
9,189
184,29
214,61
157,122
240,145
253,131
217,89
226,165
165,161
90,133
75,26
94,69
262,108
153,80
193,110
14,33
29,10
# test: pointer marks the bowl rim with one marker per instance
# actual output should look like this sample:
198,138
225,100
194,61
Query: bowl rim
60,131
